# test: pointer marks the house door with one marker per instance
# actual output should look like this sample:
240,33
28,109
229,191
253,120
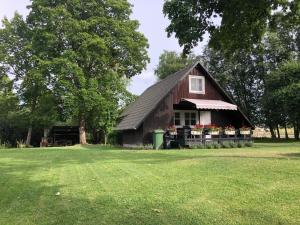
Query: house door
205,117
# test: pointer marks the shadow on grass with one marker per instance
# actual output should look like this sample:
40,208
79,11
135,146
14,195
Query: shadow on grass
26,197
293,155
61,157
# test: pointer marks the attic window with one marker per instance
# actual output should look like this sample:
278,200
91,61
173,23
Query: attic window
196,84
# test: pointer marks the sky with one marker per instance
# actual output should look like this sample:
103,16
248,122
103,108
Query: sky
152,25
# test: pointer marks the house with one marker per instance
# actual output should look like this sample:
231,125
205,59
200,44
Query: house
188,97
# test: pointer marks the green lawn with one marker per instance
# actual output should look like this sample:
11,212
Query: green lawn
258,185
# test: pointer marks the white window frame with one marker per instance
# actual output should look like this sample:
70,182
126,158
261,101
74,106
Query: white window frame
182,119
199,78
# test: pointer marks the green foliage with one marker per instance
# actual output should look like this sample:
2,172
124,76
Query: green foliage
88,54
209,145
232,144
284,93
71,60
240,144
225,144
21,144
242,23
249,144
216,145
171,62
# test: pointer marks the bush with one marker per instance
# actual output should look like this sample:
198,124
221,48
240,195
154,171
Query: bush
232,144
240,145
217,145
249,144
21,144
208,146
4,145
225,144
200,146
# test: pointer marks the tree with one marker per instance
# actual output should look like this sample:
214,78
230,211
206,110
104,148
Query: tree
244,75
80,44
242,23
17,60
171,61
284,93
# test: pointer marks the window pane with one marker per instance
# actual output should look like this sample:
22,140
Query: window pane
193,122
196,84
186,119
177,119
177,122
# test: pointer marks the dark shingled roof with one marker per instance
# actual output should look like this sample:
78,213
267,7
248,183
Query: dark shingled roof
136,112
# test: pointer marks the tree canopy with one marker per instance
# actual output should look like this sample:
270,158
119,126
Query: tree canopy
231,24
75,55
171,61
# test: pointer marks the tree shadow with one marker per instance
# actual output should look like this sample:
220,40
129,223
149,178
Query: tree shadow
26,198
292,154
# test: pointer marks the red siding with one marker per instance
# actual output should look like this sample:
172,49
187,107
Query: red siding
162,116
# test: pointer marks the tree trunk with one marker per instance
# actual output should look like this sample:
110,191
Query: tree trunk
296,131
82,134
278,133
273,135
46,132
285,131
105,138
29,134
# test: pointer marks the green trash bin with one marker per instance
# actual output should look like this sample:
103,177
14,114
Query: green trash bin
158,139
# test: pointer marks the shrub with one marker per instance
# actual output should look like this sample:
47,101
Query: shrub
232,144
208,146
217,145
249,144
200,146
4,145
225,144
240,145
21,144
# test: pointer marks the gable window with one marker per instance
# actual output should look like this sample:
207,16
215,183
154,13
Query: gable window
196,84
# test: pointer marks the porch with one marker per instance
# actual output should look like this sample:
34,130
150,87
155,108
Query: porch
202,122
187,137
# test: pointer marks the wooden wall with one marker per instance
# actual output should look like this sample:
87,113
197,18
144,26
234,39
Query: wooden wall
162,116
132,137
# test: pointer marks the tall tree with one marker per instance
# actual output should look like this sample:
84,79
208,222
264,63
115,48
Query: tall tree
80,43
283,96
231,24
18,61
171,61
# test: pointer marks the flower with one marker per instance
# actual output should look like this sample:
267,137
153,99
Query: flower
230,128
212,127
244,128
172,128
198,127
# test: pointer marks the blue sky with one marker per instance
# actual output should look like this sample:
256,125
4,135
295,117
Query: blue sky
152,24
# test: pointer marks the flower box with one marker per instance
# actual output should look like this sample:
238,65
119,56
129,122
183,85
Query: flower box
214,133
196,132
245,132
230,132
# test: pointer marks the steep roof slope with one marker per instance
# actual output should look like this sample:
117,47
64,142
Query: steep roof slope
137,111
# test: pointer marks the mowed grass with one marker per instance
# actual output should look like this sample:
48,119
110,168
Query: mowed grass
258,185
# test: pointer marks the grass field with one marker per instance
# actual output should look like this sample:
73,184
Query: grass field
258,185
